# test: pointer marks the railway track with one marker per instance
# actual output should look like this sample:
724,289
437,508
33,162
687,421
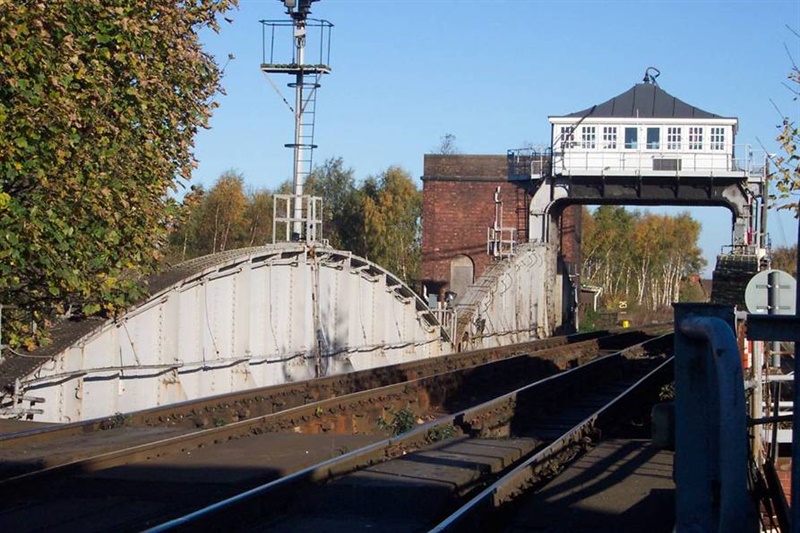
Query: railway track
107,442
348,419
452,473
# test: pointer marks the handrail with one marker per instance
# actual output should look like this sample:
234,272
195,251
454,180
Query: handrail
711,424
751,163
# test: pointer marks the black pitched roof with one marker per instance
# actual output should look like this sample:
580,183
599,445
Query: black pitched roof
644,100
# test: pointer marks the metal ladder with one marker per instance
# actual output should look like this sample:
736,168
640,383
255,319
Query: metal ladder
308,124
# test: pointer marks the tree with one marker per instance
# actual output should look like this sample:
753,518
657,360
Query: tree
447,145
222,223
392,209
607,251
258,218
785,258
99,106
639,258
342,215
787,175
182,241
223,218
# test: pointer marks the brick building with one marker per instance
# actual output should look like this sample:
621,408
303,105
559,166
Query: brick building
458,205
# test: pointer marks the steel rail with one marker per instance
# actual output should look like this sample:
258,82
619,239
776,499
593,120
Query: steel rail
173,413
529,471
234,509
282,420
256,402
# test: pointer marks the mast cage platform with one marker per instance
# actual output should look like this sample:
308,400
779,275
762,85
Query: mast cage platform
270,66
287,56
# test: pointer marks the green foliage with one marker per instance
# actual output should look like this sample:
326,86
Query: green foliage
258,218
786,179
588,321
223,218
691,291
785,258
441,432
392,210
342,217
99,105
218,221
401,421
379,220
642,259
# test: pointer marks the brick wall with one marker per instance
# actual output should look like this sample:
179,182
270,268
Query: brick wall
458,207
466,166
570,235
783,466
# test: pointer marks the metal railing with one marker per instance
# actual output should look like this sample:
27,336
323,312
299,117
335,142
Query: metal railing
782,328
529,163
501,242
448,319
739,158
285,218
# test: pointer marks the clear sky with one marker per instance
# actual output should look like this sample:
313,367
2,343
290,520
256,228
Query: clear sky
405,73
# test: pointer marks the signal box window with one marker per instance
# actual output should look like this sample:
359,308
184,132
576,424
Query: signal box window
653,138
673,138
567,138
588,137
631,138
610,137
717,138
695,138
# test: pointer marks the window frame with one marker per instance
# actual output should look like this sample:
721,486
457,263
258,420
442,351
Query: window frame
633,145
674,138
588,137
716,138
609,138
567,137
695,138
653,145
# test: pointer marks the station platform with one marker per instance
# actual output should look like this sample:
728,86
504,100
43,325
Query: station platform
621,486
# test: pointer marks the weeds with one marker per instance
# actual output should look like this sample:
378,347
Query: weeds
402,421
117,421
667,392
439,433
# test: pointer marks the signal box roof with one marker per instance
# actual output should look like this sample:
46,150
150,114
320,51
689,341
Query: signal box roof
644,100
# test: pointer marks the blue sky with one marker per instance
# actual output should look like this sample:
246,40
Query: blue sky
404,73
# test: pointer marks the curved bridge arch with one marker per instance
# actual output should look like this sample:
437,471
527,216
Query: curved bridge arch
233,321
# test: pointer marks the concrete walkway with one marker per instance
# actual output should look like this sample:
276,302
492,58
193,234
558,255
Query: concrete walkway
621,486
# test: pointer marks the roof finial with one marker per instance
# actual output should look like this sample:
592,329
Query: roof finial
651,78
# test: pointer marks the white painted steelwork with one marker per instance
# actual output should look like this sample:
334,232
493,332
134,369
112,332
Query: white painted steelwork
516,300
733,163
266,316
306,78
